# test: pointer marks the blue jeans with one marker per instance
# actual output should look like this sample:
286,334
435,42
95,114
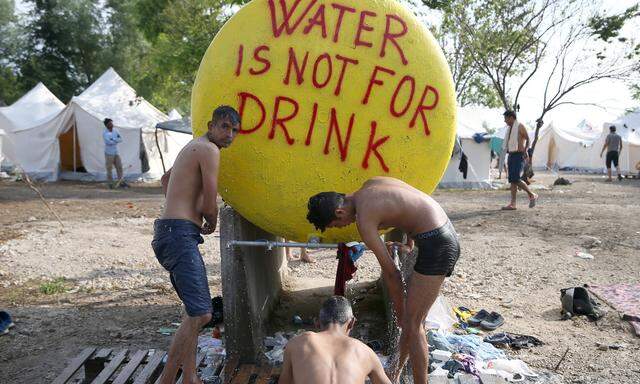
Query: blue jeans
175,243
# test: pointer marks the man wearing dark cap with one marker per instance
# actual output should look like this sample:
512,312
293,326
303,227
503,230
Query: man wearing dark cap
613,145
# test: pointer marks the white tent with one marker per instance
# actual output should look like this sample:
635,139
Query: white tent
472,121
135,118
567,147
174,115
628,127
31,132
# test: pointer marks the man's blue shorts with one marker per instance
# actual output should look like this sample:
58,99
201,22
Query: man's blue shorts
515,164
175,243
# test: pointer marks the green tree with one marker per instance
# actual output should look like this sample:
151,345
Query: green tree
64,45
11,87
186,30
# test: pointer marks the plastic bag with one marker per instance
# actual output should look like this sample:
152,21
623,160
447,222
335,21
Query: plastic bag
440,315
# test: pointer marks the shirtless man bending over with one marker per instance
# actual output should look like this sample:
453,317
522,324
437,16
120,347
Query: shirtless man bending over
384,202
191,188
331,356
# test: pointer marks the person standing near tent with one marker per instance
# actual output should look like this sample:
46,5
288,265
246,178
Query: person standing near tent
613,145
111,140
191,210
517,147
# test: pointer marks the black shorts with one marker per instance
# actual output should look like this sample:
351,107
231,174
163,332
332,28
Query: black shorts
612,157
438,251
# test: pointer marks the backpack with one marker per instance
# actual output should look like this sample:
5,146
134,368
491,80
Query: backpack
577,301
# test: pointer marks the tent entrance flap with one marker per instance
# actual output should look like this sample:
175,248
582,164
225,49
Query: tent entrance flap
70,151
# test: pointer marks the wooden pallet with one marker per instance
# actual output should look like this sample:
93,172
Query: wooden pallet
102,366
236,373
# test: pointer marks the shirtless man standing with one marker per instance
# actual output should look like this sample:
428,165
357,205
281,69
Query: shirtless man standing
331,356
384,202
191,189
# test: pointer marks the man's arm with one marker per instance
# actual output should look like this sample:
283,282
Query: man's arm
209,164
164,181
604,146
286,375
377,374
107,138
390,274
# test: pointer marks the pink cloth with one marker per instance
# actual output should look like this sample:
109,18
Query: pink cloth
624,298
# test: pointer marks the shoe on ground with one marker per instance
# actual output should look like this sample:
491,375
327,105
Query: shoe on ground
493,321
477,319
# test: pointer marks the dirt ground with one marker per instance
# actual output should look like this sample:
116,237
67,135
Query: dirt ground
96,282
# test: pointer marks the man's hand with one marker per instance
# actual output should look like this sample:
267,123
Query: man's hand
402,248
207,228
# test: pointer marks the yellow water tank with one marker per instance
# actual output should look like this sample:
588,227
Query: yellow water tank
331,93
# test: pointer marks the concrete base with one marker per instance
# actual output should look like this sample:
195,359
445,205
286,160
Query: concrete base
251,284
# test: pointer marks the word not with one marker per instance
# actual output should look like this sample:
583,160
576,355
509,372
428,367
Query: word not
321,73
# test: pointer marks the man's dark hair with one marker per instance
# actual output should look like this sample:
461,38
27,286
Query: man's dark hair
106,121
612,128
225,112
322,208
336,310
509,113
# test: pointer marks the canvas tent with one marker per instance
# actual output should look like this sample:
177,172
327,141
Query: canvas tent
567,147
31,127
135,118
472,121
628,127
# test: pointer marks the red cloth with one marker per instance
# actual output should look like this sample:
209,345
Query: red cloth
346,269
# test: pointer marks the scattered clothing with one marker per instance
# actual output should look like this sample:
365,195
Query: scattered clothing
624,298
474,346
464,165
6,323
513,340
346,269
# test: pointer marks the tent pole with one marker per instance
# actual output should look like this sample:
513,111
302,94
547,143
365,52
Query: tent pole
164,170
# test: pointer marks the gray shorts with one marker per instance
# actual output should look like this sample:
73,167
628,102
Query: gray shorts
175,243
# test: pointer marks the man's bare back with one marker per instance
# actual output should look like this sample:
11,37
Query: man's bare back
192,186
392,203
330,357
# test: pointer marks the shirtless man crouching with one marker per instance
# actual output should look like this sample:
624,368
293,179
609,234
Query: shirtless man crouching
331,356
384,202
191,189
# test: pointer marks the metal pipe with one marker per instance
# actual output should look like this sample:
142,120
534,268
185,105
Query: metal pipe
271,244
164,170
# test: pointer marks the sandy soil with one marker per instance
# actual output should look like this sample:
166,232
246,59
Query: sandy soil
118,296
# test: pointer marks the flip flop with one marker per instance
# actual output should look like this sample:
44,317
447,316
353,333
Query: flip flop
533,201
508,208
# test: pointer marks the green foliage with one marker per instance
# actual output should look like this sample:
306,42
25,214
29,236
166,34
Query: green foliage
10,86
54,287
64,45
437,4
187,28
609,27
